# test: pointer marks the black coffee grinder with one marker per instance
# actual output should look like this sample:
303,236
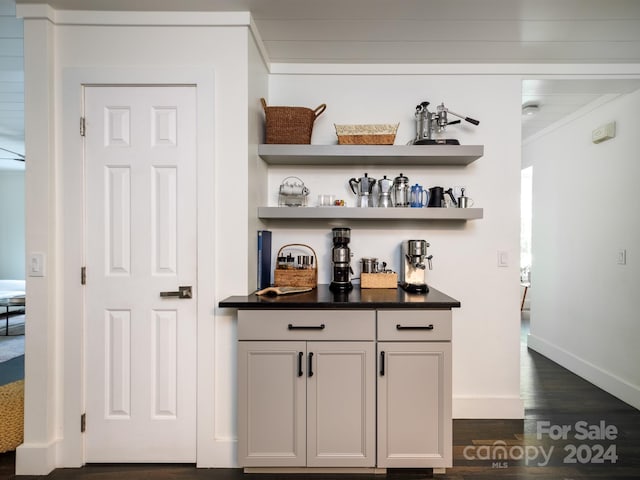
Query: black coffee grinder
341,260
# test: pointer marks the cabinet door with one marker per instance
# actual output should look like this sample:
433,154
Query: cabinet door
271,404
414,405
341,404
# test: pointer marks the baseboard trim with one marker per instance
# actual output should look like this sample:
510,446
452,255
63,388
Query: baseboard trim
603,379
470,406
36,458
325,470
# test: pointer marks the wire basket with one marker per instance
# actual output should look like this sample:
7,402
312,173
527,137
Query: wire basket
290,125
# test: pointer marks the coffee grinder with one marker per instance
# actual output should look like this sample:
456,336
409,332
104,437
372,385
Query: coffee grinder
341,260
413,269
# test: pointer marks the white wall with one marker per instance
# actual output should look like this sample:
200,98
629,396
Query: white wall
585,209
486,328
62,51
12,260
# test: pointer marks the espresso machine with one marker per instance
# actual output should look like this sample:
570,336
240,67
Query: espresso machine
341,260
431,126
412,266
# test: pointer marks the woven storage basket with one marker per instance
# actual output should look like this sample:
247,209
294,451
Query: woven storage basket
382,134
290,125
296,277
11,415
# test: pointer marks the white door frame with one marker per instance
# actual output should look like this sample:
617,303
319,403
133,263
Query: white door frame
71,241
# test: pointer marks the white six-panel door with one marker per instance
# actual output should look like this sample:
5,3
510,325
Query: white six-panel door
140,357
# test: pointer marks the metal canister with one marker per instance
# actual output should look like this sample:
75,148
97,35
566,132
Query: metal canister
369,265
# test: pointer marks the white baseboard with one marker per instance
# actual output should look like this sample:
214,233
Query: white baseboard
603,379
36,459
218,453
487,407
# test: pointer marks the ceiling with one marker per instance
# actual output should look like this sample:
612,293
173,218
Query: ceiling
400,31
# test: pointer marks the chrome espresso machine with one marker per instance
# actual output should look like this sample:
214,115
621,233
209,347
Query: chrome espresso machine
412,266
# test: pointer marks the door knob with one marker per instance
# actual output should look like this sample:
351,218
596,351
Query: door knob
183,292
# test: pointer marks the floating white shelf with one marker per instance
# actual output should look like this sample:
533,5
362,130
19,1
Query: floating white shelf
445,155
352,213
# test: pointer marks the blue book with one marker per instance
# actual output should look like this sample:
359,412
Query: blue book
264,259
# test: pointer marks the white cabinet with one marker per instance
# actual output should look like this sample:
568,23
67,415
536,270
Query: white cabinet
414,389
316,390
271,404
341,404
306,400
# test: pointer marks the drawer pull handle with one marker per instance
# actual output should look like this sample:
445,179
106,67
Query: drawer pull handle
382,364
306,327
300,355
311,364
417,327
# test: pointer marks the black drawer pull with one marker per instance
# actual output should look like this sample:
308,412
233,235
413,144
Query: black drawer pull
417,327
382,364
300,355
310,364
306,327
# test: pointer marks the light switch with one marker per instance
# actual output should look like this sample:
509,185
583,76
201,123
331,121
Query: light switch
503,258
37,264
622,256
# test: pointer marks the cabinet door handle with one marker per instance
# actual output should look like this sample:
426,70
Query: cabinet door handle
416,327
306,327
382,363
310,364
300,355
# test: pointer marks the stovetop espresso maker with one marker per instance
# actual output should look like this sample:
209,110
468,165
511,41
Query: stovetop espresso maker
412,266
363,188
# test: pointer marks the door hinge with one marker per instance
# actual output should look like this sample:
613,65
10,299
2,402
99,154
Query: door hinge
83,275
82,126
83,423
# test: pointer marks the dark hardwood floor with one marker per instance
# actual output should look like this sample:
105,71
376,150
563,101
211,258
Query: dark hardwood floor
555,401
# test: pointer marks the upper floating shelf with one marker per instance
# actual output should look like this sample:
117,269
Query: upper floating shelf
444,155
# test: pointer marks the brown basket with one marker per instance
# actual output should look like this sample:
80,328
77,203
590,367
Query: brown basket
290,125
366,139
380,134
296,277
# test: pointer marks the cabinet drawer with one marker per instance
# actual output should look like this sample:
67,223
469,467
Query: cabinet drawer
306,325
414,325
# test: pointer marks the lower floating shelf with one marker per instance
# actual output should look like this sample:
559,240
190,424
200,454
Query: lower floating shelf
349,213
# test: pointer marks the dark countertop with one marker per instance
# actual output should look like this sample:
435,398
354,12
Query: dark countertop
323,298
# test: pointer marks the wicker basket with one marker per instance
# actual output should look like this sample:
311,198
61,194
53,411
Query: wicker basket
11,415
296,277
290,125
382,134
